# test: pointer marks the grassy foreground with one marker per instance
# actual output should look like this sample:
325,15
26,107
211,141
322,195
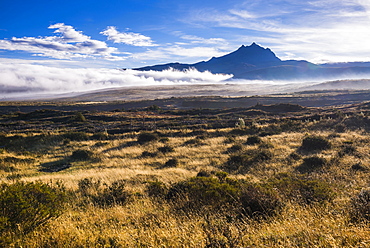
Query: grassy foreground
267,176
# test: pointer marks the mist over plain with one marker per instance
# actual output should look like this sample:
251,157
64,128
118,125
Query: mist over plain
29,81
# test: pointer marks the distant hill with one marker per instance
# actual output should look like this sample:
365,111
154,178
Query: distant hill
361,84
257,63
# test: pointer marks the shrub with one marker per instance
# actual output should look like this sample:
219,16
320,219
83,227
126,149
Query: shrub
100,136
248,159
294,156
260,202
113,194
224,196
157,189
200,192
262,156
87,186
103,195
82,155
195,142
359,167
25,206
305,191
173,162
79,117
235,148
146,137
360,206
204,173
253,140
312,163
146,154
165,149
235,162
347,149
76,136
315,143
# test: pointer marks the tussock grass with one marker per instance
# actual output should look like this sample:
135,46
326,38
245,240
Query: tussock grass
142,221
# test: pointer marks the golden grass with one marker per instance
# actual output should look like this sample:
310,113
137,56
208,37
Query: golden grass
146,223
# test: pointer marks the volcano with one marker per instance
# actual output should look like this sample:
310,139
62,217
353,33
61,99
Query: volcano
255,62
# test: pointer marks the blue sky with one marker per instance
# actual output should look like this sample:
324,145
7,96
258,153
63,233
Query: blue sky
134,33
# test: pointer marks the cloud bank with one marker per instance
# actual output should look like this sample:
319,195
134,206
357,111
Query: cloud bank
28,79
70,43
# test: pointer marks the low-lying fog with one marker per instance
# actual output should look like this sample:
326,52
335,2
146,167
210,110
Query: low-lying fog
27,81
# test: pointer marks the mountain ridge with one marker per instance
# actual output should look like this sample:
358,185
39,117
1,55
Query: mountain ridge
255,62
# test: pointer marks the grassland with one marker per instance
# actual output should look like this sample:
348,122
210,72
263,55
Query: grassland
307,169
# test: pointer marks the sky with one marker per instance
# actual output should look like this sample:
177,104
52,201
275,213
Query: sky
134,33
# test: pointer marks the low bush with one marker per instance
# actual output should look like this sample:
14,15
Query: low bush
166,149
314,143
236,162
25,206
173,162
301,190
113,194
204,173
234,148
157,190
103,195
312,163
347,149
259,201
359,167
76,136
88,186
82,155
253,140
360,206
146,154
246,160
146,137
201,192
78,117
100,136
215,195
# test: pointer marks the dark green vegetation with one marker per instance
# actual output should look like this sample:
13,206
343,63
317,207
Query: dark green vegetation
26,206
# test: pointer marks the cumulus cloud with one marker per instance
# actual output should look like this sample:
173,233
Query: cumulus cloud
69,44
26,79
133,39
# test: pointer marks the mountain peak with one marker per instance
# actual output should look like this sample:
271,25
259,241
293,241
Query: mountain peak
253,54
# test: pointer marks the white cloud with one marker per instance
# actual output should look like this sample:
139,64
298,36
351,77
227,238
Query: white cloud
315,30
70,44
129,38
68,33
27,79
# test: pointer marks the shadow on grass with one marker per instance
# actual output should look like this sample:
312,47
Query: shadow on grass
55,166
